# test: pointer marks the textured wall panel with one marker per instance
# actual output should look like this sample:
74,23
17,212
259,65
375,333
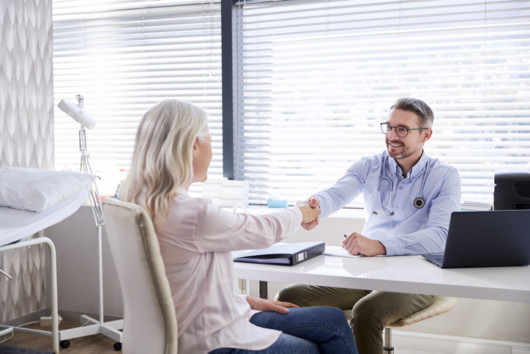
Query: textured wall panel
26,84
26,135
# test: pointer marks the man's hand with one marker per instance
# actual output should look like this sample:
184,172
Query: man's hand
314,203
360,245
269,305
309,214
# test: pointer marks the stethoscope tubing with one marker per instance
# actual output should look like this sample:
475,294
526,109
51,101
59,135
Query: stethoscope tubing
418,202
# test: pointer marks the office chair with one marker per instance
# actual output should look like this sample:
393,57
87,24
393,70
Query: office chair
441,304
150,323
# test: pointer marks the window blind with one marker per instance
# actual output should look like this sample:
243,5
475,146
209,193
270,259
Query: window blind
315,79
124,57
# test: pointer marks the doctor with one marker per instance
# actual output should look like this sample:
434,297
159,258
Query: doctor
408,198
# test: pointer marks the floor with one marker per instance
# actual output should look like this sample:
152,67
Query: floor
85,345
96,344
404,344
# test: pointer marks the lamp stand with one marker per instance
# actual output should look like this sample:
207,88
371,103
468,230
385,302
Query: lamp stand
91,326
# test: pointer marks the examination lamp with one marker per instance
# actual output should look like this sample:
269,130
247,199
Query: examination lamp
77,113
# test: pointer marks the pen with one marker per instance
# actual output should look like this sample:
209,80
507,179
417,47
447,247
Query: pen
345,235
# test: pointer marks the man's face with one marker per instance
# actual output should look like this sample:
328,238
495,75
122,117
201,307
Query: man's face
411,146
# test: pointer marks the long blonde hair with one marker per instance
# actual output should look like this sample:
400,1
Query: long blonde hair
162,161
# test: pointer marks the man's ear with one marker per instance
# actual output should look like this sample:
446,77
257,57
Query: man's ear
427,133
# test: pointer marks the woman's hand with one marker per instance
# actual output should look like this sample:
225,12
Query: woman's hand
310,213
269,305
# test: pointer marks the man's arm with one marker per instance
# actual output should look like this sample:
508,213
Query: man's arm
340,194
345,189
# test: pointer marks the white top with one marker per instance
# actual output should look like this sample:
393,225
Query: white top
196,243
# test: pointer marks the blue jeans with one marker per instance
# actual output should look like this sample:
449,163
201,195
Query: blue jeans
305,330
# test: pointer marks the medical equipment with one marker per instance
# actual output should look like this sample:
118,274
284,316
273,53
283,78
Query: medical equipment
16,226
109,329
77,112
419,202
512,191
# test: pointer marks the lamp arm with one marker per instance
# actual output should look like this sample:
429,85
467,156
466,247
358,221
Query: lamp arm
95,201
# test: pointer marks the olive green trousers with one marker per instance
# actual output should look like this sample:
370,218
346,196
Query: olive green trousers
371,310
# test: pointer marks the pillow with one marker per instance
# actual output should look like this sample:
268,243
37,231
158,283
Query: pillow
37,190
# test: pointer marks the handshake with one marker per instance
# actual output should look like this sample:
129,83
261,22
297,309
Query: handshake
310,212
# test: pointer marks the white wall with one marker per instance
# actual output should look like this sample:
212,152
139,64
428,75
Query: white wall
26,134
76,243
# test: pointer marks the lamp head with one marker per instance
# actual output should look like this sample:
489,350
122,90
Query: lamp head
77,113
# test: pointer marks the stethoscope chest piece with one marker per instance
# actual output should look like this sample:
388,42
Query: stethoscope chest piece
419,202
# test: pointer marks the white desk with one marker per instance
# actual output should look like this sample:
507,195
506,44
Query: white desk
408,274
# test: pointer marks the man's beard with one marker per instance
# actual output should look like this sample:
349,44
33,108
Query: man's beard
403,155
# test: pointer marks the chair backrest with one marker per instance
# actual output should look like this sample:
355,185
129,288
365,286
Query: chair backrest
150,324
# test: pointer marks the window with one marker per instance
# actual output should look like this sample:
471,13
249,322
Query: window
315,79
125,56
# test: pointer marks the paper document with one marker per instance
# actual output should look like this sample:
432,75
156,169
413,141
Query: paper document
337,251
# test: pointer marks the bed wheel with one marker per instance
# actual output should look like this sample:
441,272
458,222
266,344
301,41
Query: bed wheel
117,346
65,344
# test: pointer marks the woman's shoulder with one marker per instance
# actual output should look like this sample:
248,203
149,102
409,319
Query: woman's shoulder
184,208
185,203
183,198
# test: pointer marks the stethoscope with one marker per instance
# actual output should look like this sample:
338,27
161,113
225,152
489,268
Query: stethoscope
419,202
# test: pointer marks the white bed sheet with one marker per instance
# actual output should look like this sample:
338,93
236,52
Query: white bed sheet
16,224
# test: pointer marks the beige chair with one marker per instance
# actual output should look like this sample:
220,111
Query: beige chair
150,323
441,304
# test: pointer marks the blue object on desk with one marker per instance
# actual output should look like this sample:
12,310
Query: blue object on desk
277,203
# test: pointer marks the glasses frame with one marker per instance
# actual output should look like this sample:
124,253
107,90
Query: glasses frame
384,129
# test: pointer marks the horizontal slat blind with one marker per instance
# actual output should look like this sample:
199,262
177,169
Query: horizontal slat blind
125,56
317,77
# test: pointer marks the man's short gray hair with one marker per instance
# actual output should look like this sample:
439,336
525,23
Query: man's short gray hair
417,106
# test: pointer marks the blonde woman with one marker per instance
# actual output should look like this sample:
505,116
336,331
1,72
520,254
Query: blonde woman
172,151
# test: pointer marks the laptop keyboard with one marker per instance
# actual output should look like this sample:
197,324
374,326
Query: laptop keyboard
436,258
439,257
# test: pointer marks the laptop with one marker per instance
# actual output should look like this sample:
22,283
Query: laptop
493,238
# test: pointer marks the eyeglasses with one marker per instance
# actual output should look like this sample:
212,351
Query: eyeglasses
400,130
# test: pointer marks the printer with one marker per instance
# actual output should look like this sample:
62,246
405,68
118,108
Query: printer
512,191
